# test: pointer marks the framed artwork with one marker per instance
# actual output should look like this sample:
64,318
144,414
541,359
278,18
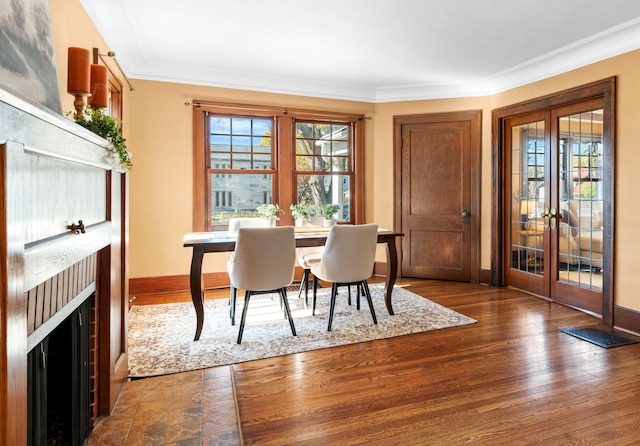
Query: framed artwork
27,59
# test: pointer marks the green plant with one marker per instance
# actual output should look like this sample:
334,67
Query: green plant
108,128
301,211
329,210
588,190
269,211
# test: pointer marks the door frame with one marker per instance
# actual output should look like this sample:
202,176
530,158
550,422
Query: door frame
475,118
605,89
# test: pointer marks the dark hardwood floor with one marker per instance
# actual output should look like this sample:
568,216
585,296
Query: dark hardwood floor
511,379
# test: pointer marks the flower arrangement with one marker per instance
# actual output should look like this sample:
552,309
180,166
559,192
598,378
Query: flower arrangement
330,210
301,211
269,211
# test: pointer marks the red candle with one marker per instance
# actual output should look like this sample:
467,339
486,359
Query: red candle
99,92
78,70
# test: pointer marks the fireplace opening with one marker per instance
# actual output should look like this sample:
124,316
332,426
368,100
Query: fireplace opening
59,407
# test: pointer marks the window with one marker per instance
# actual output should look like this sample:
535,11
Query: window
324,167
241,165
581,156
248,156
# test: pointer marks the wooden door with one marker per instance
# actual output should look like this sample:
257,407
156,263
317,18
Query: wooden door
528,157
556,195
437,194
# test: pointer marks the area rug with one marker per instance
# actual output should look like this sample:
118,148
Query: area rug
161,336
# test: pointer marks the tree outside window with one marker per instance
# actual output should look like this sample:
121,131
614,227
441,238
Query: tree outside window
248,156
324,165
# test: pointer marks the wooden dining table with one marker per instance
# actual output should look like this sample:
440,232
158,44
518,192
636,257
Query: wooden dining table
222,241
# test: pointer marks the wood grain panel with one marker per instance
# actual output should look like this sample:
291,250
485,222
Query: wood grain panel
58,193
51,134
13,306
39,303
112,321
437,172
48,297
44,260
432,252
50,167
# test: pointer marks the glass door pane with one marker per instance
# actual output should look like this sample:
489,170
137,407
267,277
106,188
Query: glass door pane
581,166
528,153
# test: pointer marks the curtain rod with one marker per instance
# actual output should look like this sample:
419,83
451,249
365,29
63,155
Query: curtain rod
285,111
112,55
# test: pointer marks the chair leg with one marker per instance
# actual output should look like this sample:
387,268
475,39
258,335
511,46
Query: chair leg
233,292
349,298
287,311
244,315
283,300
367,293
334,293
358,297
304,284
315,293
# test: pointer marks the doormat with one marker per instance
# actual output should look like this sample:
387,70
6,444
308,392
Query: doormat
601,338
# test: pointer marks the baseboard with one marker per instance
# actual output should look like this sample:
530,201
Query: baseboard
626,319
174,284
380,269
180,284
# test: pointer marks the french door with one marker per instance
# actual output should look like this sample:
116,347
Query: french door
558,197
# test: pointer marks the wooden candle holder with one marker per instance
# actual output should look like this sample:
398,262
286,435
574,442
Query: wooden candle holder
80,101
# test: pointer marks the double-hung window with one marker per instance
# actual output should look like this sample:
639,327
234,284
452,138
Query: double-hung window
241,166
246,156
324,165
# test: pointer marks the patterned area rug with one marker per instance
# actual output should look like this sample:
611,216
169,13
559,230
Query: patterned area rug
161,336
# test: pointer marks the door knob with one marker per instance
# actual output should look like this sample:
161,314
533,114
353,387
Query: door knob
550,217
553,220
465,216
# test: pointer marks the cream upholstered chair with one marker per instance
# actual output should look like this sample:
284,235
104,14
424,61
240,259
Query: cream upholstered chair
306,258
237,223
234,225
253,267
347,259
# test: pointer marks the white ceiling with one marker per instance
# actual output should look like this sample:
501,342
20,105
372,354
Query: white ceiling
365,50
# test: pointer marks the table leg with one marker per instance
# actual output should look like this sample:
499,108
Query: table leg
392,271
197,289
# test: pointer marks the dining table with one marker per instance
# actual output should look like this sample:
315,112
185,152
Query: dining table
223,241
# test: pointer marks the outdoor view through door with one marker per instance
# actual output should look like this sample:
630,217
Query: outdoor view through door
559,182
578,216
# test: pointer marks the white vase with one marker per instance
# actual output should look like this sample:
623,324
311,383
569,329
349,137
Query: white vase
270,223
328,222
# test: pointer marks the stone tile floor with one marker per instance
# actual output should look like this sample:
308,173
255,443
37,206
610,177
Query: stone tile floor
190,408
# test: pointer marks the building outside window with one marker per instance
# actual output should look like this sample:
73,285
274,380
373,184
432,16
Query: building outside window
248,157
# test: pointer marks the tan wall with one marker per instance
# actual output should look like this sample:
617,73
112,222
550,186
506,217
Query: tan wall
383,157
161,183
71,27
160,138
627,214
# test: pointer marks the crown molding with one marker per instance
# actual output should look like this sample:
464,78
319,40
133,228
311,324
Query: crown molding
609,43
